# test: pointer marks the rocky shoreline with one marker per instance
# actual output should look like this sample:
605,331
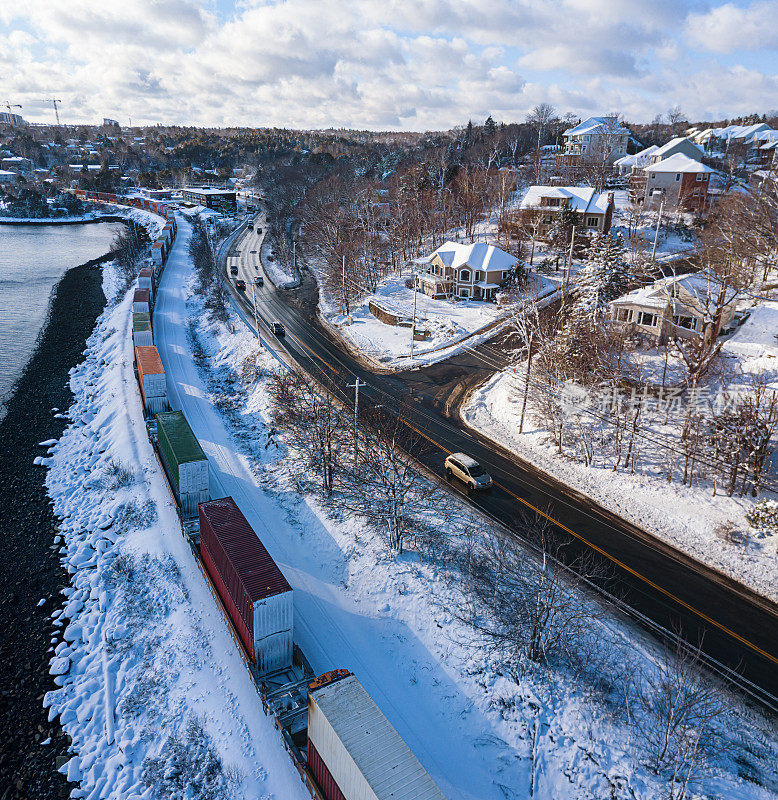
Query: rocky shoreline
30,570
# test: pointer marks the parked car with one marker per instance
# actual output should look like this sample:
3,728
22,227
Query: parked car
259,280
234,269
278,329
258,229
241,284
468,470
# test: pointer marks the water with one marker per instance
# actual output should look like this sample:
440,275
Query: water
32,260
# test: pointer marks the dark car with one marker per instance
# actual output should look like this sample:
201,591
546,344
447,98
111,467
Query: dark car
234,269
259,280
278,329
258,229
241,284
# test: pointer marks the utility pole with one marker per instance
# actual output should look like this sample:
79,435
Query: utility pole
413,327
343,285
355,386
656,232
570,256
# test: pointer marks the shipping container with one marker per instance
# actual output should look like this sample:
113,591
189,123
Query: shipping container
151,378
141,301
354,752
142,335
145,279
255,592
184,459
157,253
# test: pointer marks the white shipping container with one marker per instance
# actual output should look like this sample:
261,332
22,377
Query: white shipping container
273,625
140,307
143,339
191,500
157,404
154,385
156,255
193,477
144,282
365,755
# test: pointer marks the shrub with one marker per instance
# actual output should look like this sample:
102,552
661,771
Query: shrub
764,517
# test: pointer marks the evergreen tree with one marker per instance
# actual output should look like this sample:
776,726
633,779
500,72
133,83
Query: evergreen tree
606,275
489,126
562,230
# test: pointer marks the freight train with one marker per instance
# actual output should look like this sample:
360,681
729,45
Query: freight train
341,744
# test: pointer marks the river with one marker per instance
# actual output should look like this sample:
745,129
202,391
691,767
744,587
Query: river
33,258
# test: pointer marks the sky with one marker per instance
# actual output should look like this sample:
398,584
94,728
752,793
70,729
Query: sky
384,64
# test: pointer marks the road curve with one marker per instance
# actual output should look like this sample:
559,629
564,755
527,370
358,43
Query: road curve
668,590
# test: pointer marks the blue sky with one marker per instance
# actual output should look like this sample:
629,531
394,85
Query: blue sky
385,64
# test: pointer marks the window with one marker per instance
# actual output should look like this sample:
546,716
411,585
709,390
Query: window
464,292
653,175
464,275
647,318
624,314
478,275
699,176
678,176
690,323
592,222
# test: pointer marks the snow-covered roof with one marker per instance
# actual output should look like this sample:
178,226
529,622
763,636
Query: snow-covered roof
705,290
739,131
673,143
595,125
678,163
580,198
637,159
476,256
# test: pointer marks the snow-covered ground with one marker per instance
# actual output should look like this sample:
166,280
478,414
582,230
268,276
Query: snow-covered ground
452,323
687,517
154,691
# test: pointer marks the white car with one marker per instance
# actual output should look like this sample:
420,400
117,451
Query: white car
468,470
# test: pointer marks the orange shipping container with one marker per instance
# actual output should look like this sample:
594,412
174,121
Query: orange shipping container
151,378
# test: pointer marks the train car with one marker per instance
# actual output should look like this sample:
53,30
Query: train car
184,461
151,379
145,279
158,253
354,752
141,302
142,335
255,593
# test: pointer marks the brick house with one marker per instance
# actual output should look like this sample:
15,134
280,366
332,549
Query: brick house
679,181
468,271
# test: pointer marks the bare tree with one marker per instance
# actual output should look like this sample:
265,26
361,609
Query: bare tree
674,712
676,119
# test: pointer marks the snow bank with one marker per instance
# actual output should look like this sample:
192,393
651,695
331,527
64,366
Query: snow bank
683,516
153,690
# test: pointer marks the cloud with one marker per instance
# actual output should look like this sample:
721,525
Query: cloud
374,63
730,27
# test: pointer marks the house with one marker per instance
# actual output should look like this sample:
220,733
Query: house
627,164
541,204
736,134
224,200
7,176
679,182
464,270
679,306
595,139
681,144
17,164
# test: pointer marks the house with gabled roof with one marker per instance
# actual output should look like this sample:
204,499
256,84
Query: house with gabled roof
540,206
678,182
626,164
681,144
678,306
590,139
468,271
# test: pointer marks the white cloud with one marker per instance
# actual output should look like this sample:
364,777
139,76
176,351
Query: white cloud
365,63
730,27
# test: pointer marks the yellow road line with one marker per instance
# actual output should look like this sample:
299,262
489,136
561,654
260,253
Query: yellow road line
619,563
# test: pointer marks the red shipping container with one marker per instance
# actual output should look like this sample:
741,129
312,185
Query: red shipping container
255,592
322,775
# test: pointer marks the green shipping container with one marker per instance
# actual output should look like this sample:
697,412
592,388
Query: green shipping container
138,320
187,463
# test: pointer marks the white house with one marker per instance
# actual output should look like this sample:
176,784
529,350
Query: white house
464,270
627,164
594,139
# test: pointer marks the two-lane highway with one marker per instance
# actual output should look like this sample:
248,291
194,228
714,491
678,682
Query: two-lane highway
738,629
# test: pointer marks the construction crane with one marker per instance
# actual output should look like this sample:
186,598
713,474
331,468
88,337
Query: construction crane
54,101
9,105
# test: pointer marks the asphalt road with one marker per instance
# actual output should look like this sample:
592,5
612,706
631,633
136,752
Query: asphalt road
737,629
